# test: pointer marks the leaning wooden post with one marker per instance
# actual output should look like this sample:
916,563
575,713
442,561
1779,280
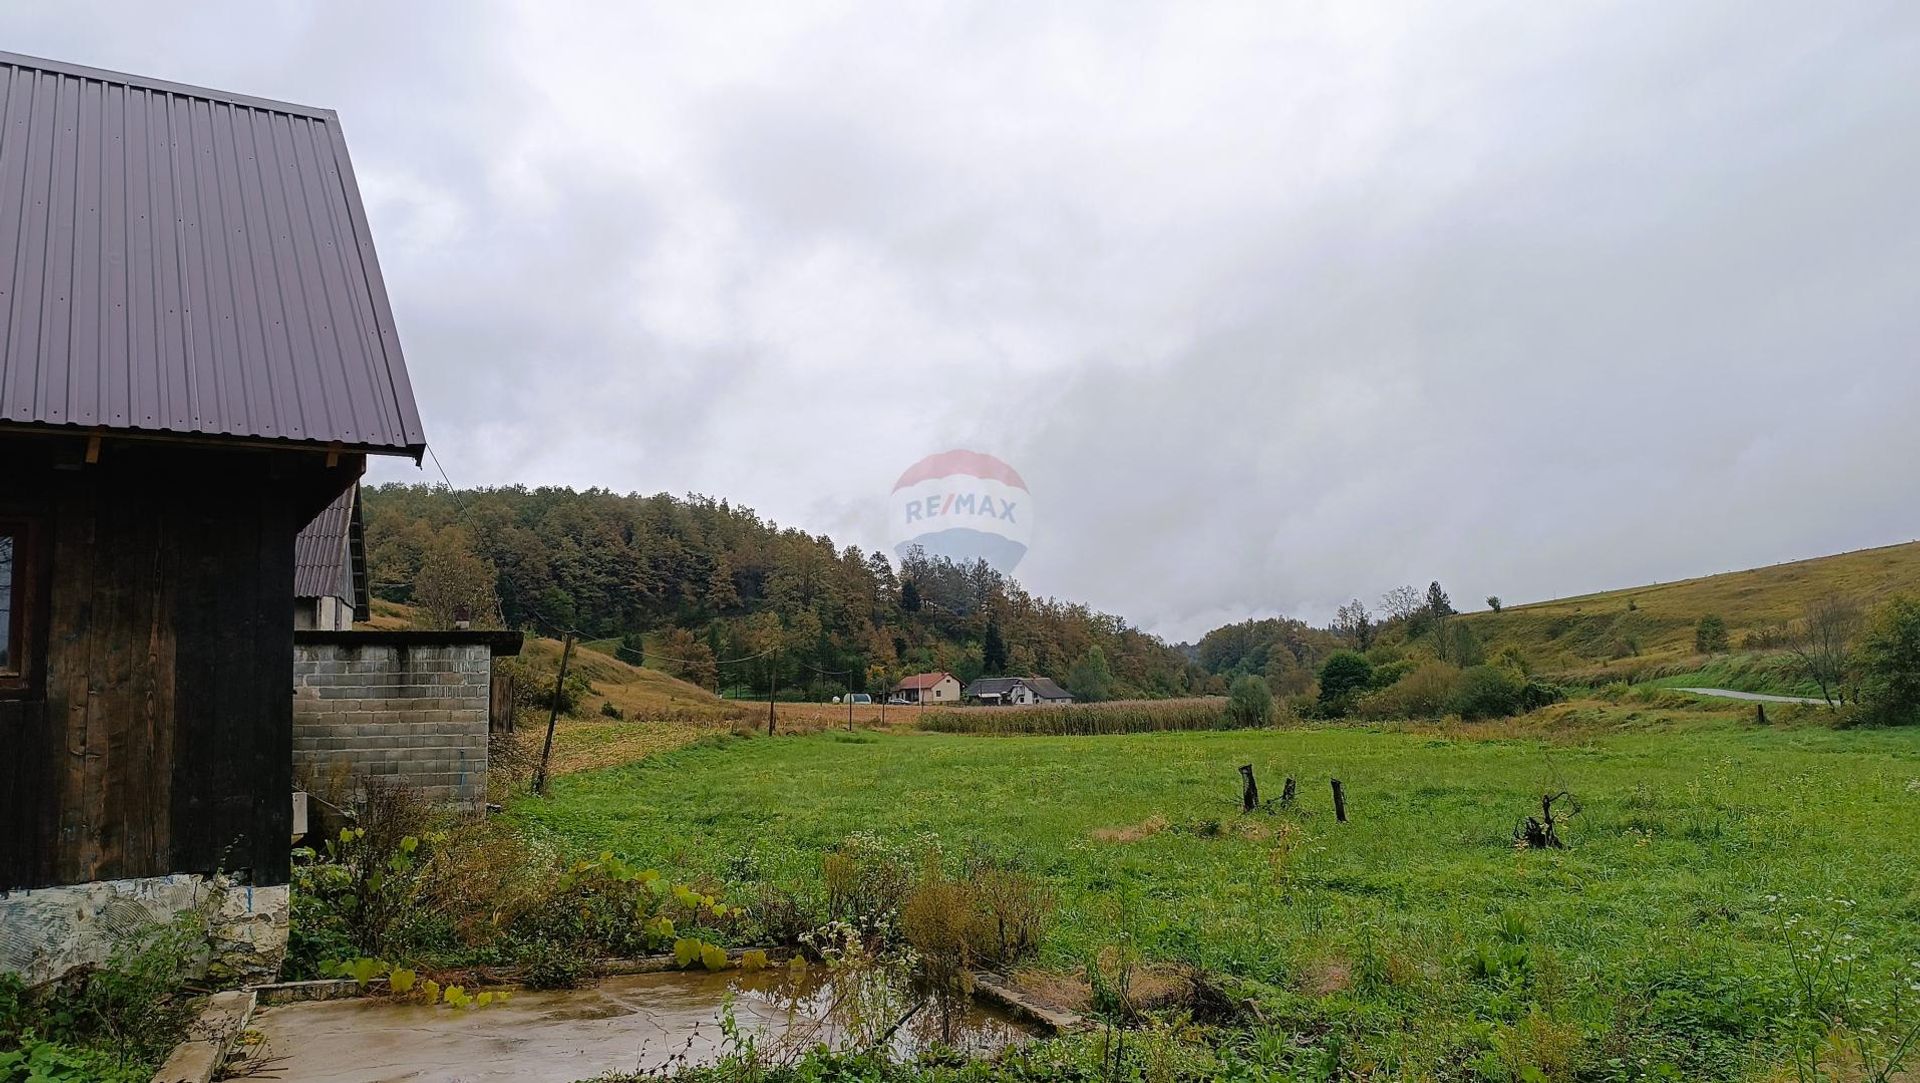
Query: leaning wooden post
1250,792
1339,801
553,717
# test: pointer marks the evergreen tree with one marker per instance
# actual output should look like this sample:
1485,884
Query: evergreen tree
993,650
1438,604
633,649
722,595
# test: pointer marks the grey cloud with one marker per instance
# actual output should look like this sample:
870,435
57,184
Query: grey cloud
1271,306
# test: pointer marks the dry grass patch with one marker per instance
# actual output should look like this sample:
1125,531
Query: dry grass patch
1146,828
1325,976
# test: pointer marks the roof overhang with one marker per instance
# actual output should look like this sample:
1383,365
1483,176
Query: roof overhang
497,641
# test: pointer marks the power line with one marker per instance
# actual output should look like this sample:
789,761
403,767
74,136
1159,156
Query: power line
442,469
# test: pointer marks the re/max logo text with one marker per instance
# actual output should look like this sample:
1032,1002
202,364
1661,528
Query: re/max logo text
935,506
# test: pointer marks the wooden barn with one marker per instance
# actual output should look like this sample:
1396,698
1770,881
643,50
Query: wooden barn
196,357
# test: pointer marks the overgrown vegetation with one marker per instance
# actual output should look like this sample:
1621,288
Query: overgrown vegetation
109,1024
407,888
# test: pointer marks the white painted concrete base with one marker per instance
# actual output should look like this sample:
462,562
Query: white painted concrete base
45,933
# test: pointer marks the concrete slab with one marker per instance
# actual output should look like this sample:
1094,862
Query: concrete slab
624,1024
212,1034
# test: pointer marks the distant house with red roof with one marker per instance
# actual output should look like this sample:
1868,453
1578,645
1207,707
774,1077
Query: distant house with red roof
926,688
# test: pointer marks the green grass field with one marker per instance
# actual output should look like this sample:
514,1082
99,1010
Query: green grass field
1416,933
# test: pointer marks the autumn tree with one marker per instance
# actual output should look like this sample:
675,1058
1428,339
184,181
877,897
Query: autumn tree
1353,622
683,655
454,583
1284,673
1823,639
1401,603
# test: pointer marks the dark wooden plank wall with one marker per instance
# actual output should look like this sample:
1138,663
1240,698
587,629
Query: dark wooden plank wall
161,740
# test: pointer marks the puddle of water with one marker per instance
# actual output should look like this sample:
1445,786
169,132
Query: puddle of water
623,1024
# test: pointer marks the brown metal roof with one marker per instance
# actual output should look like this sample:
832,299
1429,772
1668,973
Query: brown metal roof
176,260
920,680
330,555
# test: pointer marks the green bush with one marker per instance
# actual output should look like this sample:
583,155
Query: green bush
1536,693
1486,692
1250,701
1888,662
1343,676
1710,635
1388,674
1425,692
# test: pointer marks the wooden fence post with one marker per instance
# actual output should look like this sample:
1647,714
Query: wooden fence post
1250,792
1339,801
553,717
1287,793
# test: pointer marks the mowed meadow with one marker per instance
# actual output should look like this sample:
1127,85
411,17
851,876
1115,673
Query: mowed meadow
1415,940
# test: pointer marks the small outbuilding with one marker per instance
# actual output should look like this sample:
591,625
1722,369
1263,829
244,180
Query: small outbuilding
330,568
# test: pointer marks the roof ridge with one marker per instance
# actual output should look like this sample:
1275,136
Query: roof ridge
165,86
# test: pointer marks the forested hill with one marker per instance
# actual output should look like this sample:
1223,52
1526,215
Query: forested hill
690,583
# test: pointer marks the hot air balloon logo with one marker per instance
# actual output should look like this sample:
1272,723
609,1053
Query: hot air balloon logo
965,506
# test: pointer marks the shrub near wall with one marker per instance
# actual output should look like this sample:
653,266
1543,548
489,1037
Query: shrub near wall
1086,719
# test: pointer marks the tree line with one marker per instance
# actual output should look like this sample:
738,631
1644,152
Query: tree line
713,593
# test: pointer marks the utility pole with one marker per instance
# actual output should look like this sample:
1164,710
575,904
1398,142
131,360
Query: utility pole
849,700
773,682
553,717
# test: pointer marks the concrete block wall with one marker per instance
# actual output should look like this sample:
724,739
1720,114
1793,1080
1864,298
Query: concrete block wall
411,713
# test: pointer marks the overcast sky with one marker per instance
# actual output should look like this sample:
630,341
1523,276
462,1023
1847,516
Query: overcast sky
1271,304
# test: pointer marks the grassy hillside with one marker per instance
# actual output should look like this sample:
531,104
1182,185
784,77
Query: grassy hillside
1643,630
656,712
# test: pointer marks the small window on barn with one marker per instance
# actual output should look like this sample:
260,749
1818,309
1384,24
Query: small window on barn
8,652
17,619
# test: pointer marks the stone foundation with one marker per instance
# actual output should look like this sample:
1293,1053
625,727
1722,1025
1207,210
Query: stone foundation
46,933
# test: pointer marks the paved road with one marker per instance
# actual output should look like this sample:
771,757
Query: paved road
1756,697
